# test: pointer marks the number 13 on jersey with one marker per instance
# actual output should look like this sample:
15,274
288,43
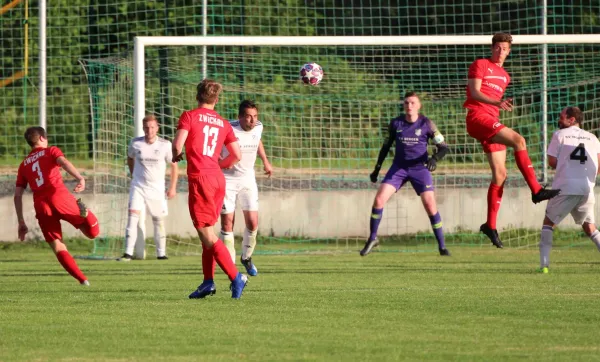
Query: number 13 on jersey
211,133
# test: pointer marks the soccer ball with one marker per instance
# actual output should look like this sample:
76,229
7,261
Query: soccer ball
311,73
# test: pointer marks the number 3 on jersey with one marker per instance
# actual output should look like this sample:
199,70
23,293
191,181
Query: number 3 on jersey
213,134
578,154
36,167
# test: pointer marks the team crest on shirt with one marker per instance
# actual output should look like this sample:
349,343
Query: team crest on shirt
418,132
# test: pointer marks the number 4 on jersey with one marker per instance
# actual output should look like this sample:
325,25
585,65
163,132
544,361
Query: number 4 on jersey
578,154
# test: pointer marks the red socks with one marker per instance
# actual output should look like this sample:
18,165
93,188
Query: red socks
223,258
208,263
220,254
526,168
90,227
494,198
67,262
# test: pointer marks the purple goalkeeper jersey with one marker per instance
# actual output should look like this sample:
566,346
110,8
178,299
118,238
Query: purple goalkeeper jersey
411,140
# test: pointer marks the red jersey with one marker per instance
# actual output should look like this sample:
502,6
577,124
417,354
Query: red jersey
494,80
207,134
40,170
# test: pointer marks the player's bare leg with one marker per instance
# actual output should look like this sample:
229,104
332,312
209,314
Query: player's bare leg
590,230
226,233
510,138
249,241
430,205
546,237
131,233
497,162
216,250
383,195
68,263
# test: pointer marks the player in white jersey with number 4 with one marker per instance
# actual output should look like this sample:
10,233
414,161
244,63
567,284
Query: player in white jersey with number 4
147,158
240,183
575,154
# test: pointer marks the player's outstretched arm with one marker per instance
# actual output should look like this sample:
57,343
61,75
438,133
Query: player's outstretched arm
263,156
474,85
178,143
385,149
18,200
235,154
71,170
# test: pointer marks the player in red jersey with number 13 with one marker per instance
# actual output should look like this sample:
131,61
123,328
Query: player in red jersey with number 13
487,82
204,133
51,199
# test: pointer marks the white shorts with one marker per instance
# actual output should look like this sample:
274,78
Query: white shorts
246,192
581,207
139,201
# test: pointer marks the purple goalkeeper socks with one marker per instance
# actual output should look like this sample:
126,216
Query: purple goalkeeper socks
436,225
375,220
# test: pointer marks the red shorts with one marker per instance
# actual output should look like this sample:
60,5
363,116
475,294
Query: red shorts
206,194
49,210
483,127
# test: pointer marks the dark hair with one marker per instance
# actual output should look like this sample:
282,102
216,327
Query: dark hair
411,94
33,135
208,91
576,113
246,104
502,38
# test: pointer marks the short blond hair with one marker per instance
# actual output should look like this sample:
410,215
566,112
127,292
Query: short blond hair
149,118
207,91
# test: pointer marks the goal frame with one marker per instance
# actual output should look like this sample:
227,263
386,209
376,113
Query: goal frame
141,42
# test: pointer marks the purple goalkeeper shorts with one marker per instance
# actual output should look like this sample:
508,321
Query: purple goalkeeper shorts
420,178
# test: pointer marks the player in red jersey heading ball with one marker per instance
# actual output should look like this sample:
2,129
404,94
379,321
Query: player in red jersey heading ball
487,82
51,198
204,133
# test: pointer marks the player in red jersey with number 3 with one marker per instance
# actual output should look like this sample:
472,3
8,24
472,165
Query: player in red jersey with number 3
204,133
487,82
51,198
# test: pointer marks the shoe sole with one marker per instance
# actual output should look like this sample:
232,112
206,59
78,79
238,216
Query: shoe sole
83,211
366,251
498,244
212,292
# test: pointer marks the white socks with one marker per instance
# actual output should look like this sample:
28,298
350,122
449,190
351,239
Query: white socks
131,232
229,242
545,245
248,243
596,238
160,237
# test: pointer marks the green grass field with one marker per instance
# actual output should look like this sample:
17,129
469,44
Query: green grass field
480,304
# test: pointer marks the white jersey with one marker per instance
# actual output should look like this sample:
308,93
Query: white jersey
150,165
248,141
577,152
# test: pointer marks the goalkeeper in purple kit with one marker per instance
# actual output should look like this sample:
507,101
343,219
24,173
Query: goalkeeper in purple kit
411,132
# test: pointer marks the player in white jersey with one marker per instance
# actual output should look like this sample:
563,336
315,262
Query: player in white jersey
147,158
575,154
240,183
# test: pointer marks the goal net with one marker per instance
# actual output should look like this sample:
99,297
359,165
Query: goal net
323,140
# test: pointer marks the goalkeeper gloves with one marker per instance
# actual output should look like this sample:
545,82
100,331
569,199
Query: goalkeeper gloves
375,173
432,164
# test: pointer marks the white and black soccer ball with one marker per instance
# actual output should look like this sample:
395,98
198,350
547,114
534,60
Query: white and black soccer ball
311,73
